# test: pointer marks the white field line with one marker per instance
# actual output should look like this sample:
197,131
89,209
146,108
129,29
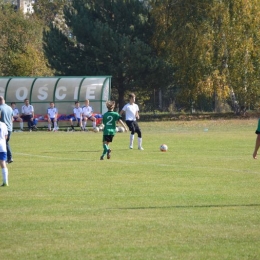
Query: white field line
143,163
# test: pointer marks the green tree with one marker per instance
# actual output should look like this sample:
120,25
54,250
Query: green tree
244,51
109,38
181,39
21,50
214,46
47,10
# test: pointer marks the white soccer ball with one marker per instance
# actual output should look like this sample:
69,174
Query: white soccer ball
96,129
163,148
121,129
101,127
116,129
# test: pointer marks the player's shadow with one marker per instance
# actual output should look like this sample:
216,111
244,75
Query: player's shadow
82,151
69,152
187,206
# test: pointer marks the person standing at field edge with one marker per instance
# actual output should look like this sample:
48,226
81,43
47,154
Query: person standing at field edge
6,116
3,152
110,118
131,111
257,142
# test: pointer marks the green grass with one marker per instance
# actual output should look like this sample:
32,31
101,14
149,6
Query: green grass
200,200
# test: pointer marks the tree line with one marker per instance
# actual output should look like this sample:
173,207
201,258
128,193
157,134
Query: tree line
175,54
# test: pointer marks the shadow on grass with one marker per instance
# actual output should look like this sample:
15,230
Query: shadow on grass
188,206
84,151
69,152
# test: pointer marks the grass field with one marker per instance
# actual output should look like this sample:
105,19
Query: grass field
199,200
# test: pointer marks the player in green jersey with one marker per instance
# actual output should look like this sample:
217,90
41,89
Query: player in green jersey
110,118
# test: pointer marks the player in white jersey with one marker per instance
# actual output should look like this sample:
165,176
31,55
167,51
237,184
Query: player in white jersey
131,111
87,113
52,113
28,114
77,112
3,153
16,115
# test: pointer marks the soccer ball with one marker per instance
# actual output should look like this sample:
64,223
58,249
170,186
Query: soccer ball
121,129
96,129
163,148
101,127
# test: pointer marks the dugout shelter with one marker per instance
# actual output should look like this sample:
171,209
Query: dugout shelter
63,91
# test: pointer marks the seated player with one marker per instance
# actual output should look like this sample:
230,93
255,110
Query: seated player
87,113
77,111
52,114
16,115
28,115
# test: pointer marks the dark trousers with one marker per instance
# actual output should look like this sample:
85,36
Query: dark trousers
8,148
134,128
27,118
